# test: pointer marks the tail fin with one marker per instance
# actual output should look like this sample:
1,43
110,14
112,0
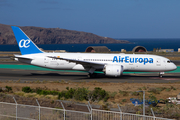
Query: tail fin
26,45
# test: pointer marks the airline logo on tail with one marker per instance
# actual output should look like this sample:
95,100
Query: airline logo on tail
26,46
24,43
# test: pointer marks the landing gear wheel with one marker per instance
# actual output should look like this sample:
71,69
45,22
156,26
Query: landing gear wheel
92,75
161,74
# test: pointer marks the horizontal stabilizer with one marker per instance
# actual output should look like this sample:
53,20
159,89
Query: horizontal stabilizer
23,57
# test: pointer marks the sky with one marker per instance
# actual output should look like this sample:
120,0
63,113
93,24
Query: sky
125,19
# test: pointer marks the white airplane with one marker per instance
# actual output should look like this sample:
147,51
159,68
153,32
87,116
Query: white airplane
111,64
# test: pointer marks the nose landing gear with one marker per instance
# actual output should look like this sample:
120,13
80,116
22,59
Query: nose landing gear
161,74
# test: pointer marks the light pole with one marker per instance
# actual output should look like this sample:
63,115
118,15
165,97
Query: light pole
143,101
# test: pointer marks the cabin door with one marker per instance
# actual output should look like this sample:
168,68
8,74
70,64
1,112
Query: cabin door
133,66
46,60
158,62
79,58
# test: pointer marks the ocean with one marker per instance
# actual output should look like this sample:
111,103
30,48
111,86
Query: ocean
149,44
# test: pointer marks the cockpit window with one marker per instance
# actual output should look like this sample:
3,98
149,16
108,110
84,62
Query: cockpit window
169,61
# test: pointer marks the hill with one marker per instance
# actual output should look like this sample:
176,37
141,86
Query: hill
54,36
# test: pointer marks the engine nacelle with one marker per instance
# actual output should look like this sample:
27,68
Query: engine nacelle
113,70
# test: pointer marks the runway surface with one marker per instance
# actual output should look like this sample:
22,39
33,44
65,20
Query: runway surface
22,74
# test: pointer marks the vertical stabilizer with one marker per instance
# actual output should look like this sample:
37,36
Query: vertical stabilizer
26,45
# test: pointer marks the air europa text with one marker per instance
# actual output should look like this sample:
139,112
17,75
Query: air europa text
127,59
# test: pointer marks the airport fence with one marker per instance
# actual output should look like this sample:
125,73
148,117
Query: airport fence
14,111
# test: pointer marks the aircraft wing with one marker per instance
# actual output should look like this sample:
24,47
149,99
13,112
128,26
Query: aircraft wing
77,61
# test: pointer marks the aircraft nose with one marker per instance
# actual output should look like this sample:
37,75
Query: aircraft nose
174,67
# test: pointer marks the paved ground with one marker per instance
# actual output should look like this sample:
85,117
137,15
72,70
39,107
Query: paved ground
35,75
14,73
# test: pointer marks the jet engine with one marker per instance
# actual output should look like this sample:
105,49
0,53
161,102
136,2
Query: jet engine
113,70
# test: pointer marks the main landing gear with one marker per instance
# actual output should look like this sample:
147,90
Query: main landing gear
92,75
161,74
